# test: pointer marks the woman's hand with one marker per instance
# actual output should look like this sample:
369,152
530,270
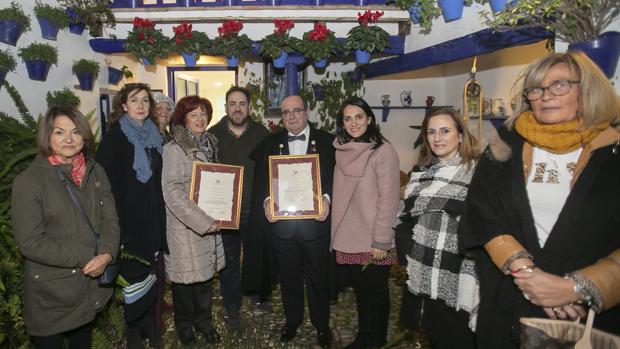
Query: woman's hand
97,265
378,254
544,289
572,312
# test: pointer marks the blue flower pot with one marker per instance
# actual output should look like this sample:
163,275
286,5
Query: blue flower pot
414,13
37,70
10,31
233,61
146,61
451,9
3,76
49,30
86,81
189,59
114,76
362,57
321,63
76,26
604,51
280,62
497,5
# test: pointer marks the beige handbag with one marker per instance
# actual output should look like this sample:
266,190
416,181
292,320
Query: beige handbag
537,333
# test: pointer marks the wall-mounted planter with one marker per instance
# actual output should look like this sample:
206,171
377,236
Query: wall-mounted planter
451,9
37,70
10,31
3,76
280,62
146,61
362,57
114,76
86,81
232,62
321,63
75,25
604,51
414,13
189,59
49,30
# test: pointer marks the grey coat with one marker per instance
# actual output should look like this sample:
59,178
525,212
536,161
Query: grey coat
56,243
195,255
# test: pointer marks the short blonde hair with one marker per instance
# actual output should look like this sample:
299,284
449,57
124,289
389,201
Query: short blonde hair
597,98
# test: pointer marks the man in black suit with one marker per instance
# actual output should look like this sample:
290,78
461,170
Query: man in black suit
301,247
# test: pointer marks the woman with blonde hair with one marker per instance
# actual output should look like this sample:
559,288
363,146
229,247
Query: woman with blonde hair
543,204
431,213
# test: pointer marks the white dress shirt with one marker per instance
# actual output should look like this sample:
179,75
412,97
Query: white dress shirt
299,147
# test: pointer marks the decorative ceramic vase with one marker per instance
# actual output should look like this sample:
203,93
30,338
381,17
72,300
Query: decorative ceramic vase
321,63
189,59
49,30
362,57
233,61
86,81
114,75
385,100
37,69
406,99
451,9
604,51
10,31
429,101
280,62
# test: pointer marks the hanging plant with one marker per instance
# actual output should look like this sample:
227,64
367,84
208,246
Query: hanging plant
38,58
280,43
94,14
366,37
62,98
319,43
54,15
422,11
189,41
7,61
146,42
13,22
229,43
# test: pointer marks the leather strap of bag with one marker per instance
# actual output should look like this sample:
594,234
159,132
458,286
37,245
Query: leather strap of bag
64,181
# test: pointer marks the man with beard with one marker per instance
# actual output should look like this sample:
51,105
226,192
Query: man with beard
238,135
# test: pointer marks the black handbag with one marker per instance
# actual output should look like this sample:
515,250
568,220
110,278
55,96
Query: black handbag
108,277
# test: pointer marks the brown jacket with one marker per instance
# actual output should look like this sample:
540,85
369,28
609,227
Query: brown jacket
56,243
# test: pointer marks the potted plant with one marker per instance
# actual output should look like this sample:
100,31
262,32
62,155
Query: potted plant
86,71
366,38
7,64
319,44
62,98
76,26
577,22
13,22
38,58
279,44
190,44
146,42
51,19
229,43
422,12
116,75
93,14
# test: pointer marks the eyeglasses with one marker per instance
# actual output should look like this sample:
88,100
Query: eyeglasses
294,112
556,88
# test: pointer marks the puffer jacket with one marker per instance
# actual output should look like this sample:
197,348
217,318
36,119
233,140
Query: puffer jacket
195,255
56,243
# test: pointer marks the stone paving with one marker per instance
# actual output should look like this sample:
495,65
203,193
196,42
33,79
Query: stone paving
262,330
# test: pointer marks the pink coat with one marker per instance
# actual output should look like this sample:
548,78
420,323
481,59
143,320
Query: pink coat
365,197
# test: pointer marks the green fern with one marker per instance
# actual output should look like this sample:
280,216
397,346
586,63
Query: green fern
21,107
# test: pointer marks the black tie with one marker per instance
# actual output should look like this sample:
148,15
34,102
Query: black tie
301,137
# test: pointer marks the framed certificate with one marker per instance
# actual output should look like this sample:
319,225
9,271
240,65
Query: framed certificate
217,190
295,186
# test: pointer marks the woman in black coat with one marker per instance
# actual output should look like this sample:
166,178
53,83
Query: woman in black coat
543,204
130,153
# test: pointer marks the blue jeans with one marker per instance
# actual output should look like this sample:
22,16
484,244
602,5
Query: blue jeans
230,276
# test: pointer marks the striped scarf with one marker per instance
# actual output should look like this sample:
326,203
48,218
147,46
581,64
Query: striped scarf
432,208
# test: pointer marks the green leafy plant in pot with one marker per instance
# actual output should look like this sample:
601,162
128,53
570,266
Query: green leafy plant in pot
580,23
421,12
62,98
188,43
319,44
86,71
279,44
38,58
230,44
366,38
116,75
146,42
51,19
7,64
13,22
94,14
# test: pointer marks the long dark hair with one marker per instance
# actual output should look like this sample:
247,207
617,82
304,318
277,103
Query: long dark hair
123,95
372,134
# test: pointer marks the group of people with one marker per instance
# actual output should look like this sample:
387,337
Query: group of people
524,228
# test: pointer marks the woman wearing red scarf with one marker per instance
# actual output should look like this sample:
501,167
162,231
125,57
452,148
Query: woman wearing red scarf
61,295
543,204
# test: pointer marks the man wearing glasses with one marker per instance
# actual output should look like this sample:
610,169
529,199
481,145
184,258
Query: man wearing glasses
238,135
301,247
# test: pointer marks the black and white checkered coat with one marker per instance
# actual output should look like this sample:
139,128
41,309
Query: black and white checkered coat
432,208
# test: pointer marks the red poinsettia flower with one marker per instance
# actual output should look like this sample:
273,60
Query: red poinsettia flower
283,26
369,17
319,33
230,28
